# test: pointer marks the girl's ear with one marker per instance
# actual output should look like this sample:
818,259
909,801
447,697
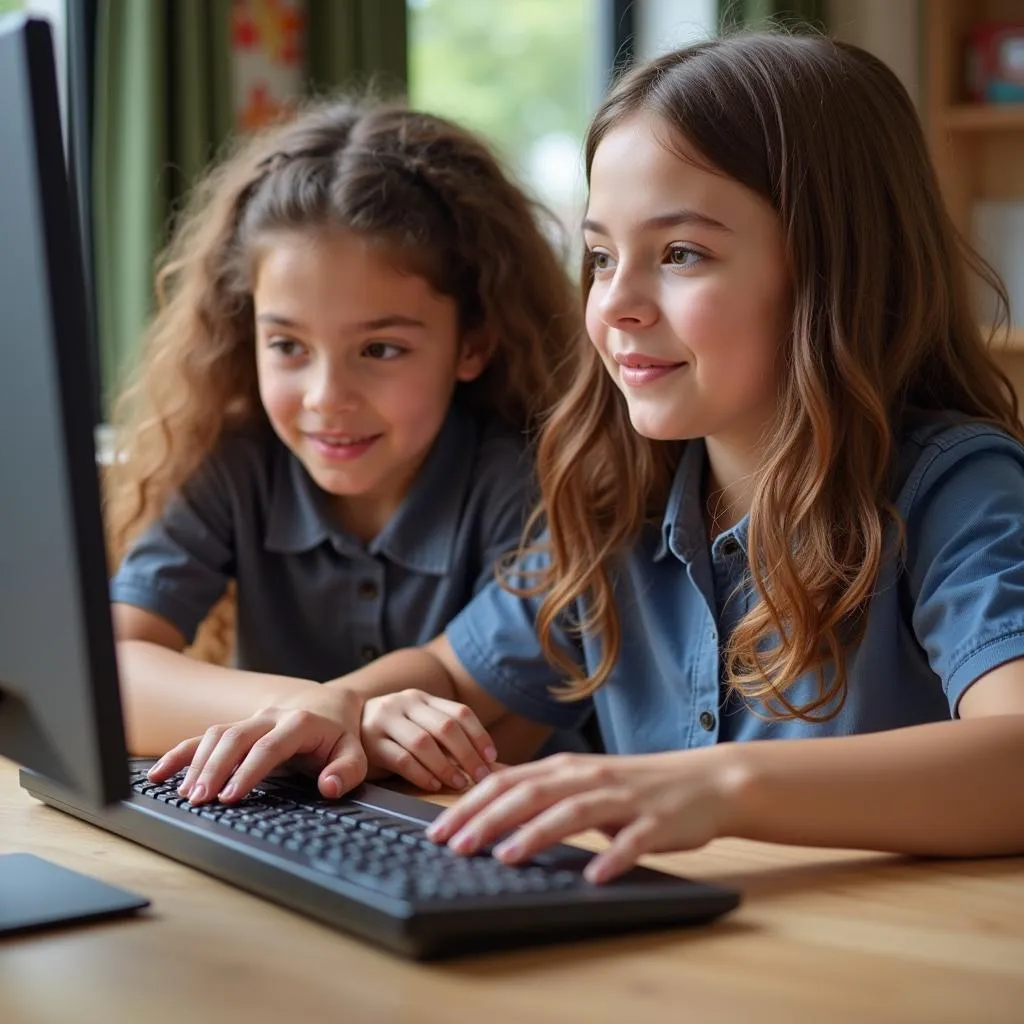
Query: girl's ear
475,351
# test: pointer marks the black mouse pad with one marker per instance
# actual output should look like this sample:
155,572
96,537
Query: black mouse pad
35,893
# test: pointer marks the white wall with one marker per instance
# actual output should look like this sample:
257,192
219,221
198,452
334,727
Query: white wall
663,25
890,29
54,12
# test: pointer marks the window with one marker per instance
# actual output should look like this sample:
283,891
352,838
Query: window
526,74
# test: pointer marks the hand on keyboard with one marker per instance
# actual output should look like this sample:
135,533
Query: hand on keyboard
427,740
317,733
646,803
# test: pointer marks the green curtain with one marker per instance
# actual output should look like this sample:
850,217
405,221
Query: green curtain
358,43
162,108
792,14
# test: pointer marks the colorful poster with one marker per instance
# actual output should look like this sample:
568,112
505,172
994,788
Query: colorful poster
268,43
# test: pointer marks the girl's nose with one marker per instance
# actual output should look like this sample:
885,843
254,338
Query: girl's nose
332,390
626,303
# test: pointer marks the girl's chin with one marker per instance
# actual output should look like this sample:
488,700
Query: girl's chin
657,428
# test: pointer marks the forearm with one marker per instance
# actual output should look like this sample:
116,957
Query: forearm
946,789
412,668
419,668
169,697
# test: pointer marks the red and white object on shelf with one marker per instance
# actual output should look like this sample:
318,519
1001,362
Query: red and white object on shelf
995,63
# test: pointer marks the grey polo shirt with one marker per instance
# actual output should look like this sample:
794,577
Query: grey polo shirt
313,602
952,612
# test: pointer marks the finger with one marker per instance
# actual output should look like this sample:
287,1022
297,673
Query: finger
569,816
346,769
426,749
398,761
235,743
456,744
174,760
517,805
629,845
246,757
207,744
470,804
471,726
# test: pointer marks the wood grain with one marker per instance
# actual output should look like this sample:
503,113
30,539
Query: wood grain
822,936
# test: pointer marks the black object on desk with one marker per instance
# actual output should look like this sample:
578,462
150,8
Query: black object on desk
35,894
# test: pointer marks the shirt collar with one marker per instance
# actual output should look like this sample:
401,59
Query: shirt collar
682,527
299,516
420,536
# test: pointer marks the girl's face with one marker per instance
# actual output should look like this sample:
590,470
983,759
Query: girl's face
689,303
357,365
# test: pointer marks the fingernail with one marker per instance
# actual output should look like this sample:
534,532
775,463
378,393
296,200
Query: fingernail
435,828
184,789
508,850
595,872
464,842
198,793
491,754
228,792
335,785
435,784
158,767
459,780
482,772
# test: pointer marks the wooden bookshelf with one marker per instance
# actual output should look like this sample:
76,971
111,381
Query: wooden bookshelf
979,117
1013,341
978,148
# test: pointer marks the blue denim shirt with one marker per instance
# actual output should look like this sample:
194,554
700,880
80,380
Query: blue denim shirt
952,611
313,601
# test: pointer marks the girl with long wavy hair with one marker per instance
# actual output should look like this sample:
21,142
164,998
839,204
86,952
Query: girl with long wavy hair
782,499
360,319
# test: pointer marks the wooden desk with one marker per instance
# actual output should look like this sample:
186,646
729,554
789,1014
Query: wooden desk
821,937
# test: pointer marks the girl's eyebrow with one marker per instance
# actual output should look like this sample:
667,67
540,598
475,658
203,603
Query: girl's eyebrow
380,323
666,220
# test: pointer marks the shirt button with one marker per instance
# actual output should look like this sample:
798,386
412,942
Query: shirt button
368,590
369,653
707,720
730,547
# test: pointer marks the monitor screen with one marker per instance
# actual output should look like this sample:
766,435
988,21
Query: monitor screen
60,710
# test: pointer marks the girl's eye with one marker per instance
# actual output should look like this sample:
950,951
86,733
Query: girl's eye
286,347
383,350
600,261
683,256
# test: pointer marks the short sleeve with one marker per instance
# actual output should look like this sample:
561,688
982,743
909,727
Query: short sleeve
495,640
180,566
965,560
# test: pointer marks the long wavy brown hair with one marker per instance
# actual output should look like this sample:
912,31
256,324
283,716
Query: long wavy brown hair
431,194
882,325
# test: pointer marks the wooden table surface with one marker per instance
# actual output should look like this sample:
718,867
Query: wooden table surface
821,936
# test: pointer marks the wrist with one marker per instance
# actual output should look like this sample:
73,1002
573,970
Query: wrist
737,782
334,699
272,690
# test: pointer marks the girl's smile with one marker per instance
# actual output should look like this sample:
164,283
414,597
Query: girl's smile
637,369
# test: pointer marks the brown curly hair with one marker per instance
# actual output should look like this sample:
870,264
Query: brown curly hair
431,194
882,325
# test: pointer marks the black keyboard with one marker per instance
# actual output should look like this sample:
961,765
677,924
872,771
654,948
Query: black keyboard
378,851
364,864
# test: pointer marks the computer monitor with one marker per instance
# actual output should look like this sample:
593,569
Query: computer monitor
60,710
